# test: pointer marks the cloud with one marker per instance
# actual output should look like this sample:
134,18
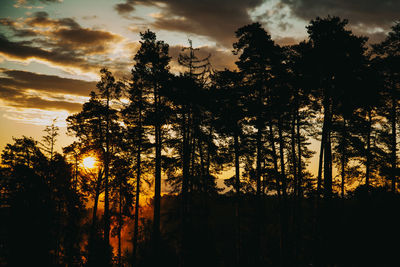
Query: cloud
41,19
217,20
92,41
23,89
58,42
22,99
24,51
16,28
25,3
372,13
35,116
124,8
23,80
67,33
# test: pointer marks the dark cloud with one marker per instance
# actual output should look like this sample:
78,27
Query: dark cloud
20,99
129,5
23,80
25,89
217,20
61,42
67,33
373,13
41,19
24,51
85,37
124,8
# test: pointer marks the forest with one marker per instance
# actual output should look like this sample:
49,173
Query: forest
141,184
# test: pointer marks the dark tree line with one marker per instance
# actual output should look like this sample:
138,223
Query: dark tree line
177,133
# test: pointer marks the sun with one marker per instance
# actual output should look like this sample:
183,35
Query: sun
89,162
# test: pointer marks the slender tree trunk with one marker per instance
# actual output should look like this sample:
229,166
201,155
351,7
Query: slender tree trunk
96,201
284,209
185,184
394,144
193,162
282,159
138,174
157,180
299,218
76,173
106,185
368,156
93,234
317,228
294,158
237,203
202,171
275,160
328,151
299,165
258,163
120,224
321,158
209,145
259,215
343,160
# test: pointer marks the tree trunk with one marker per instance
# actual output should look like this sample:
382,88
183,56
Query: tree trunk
275,160
343,160
157,178
368,151
328,151
96,201
258,163
299,165
202,170
120,224
237,203
138,174
282,159
93,234
284,209
321,158
185,184
298,212
76,173
294,158
394,145
106,185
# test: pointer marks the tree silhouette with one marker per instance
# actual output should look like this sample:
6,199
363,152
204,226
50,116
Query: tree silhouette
252,129
152,66
387,62
93,127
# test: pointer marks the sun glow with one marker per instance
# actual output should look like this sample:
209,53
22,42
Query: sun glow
89,162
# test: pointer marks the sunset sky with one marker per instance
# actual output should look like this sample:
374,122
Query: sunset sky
51,50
